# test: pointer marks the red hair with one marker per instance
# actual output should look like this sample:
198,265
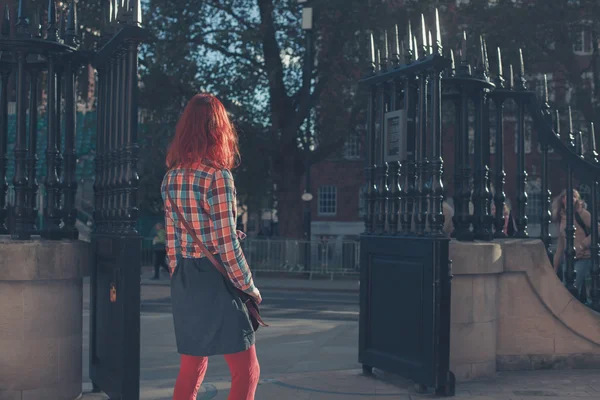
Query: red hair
204,133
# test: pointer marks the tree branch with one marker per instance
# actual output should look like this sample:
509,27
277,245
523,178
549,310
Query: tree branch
229,10
199,41
278,97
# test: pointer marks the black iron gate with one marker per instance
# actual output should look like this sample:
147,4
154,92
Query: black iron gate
405,266
115,277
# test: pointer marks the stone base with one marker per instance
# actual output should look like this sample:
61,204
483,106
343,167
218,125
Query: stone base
510,312
41,317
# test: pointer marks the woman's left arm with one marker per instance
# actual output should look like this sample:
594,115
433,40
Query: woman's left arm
587,220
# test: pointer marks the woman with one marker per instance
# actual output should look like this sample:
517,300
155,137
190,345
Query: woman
509,226
582,220
209,317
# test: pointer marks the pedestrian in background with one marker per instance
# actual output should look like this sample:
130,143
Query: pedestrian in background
160,252
209,315
582,220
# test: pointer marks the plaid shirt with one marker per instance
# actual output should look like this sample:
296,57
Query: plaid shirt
206,197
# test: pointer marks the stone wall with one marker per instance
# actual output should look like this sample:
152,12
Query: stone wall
510,312
41,319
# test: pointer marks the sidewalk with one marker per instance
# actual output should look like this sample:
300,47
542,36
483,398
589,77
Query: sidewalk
265,282
351,384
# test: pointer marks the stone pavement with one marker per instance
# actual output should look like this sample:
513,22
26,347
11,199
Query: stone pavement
351,384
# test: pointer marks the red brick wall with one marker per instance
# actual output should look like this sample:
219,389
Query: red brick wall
348,177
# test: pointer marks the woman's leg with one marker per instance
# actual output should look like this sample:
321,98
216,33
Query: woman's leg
245,372
583,269
191,374
156,265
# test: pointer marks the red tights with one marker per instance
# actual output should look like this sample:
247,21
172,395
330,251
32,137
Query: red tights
243,366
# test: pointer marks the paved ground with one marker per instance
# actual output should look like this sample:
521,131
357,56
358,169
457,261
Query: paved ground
310,353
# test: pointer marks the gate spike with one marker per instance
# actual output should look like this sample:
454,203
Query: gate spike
430,44
72,32
373,61
423,35
511,77
6,21
22,22
114,7
557,123
452,62
521,63
570,120
386,56
416,47
379,60
486,60
579,145
409,35
463,48
402,51
481,55
110,11
136,12
397,42
500,71
438,33
51,28
592,137
62,24
546,98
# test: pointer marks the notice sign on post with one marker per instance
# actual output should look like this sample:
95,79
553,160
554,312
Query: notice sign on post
394,143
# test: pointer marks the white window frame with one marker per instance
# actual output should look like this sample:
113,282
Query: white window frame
327,190
352,147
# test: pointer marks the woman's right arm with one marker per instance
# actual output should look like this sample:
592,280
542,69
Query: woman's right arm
221,198
172,242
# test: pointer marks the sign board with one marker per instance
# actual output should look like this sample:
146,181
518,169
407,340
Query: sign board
394,139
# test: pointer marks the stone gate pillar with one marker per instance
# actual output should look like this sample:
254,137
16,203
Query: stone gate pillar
41,307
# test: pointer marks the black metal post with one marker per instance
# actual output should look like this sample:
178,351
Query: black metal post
20,183
307,157
4,76
546,214
70,181
32,158
392,173
499,195
436,216
52,213
131,176
570,225
521,167
409,166
59,130
421,209
462,211
369,192
111,121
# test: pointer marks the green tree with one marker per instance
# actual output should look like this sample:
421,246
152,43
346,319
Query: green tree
250,53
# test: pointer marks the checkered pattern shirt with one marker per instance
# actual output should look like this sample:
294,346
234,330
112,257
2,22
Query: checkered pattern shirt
206,197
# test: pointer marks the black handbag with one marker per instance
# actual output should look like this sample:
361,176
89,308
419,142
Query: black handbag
251,305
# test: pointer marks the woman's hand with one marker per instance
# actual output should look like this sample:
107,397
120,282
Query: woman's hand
255,293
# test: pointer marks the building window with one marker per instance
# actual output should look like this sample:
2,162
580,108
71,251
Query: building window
327,200
352,147
582,42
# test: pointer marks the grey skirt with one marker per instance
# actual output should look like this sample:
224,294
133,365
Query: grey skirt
208,315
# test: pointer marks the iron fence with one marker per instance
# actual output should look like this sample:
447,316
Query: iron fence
289,256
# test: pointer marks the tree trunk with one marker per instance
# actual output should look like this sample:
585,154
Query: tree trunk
290,211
